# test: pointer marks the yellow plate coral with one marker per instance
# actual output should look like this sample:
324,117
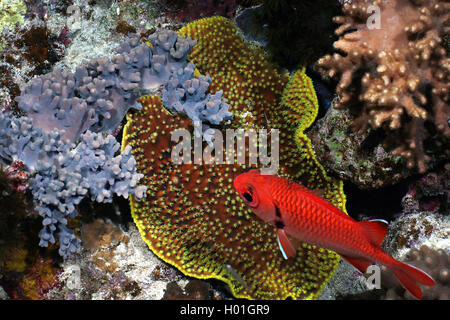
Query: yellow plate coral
192,217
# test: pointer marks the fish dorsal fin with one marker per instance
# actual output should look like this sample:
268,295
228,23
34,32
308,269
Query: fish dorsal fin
360,264
286,247
375,230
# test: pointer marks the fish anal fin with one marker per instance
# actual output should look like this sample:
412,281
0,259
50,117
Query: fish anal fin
358,263
286,247
375,230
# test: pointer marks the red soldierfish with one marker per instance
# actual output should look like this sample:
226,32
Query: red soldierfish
298,212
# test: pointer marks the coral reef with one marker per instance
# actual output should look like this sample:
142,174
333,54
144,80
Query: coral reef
114,264
351,156
192,217
98,94
71,70
64,107
91,168
394,74
434,262
63,174
29,50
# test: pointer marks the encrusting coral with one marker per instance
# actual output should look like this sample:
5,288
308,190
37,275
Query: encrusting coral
192,217
11,13
395,73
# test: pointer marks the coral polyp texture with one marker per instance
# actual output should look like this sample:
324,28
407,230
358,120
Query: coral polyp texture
395,73
192,217
11,13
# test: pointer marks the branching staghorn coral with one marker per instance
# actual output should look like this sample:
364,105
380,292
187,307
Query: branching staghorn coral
192,217
396,77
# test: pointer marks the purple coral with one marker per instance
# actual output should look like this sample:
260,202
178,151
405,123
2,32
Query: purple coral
100,92
62,174
185,93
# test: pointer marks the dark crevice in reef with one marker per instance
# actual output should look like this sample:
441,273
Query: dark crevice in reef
118,211
383,203
324,92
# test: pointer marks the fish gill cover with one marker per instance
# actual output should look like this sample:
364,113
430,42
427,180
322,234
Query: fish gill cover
192,217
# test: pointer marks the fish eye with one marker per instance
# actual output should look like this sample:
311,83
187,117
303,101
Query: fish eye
248,197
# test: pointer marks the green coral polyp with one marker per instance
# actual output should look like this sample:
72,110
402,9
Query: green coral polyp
192,217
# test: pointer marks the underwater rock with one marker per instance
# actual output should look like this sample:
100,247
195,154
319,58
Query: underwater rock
194,290
430,192
3,294
345,282
424,219
115,264
416,229
246,21
11,13
29,50
348,155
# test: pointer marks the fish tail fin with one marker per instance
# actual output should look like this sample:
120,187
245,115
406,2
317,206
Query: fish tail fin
409,276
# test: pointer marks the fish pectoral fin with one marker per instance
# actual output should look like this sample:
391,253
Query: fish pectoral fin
286,247
358,263
375,230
